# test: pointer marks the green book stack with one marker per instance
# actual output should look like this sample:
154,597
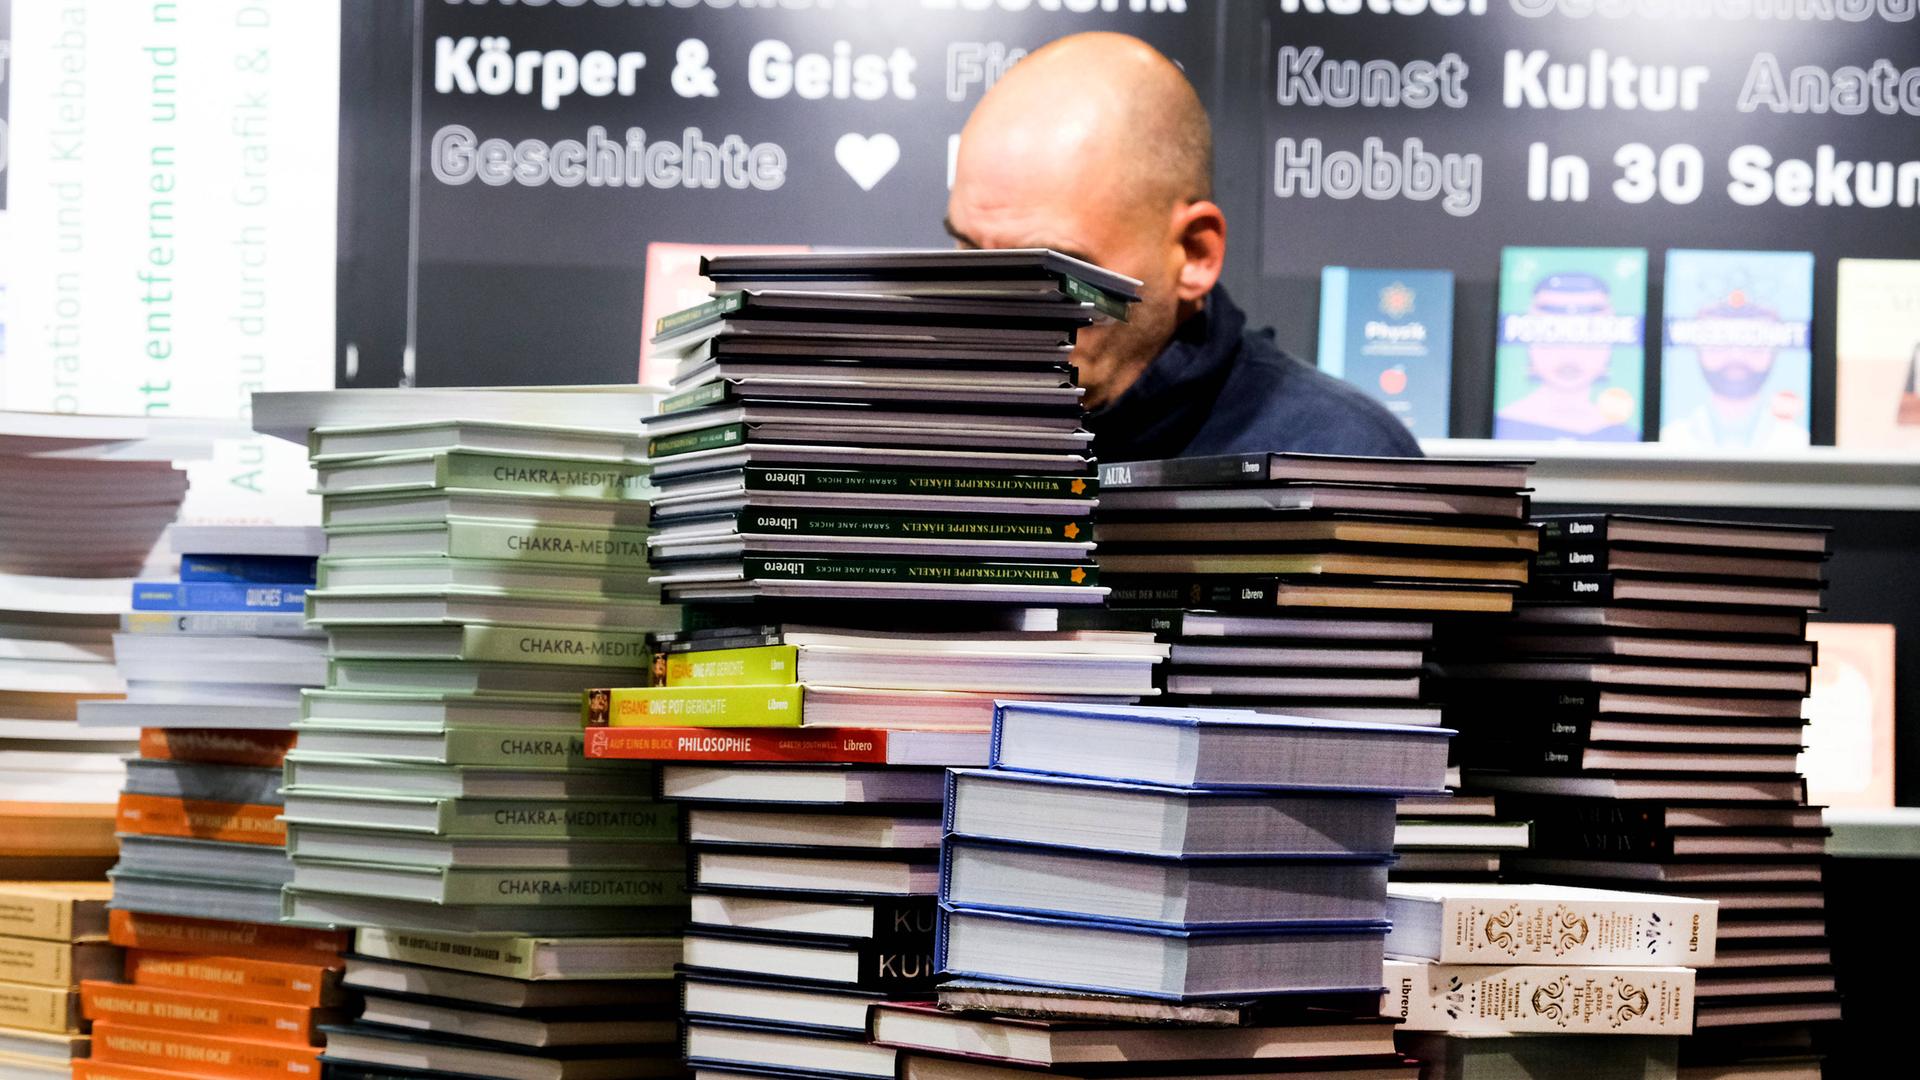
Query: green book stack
479,576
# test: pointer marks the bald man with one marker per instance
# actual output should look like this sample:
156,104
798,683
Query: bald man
1097,146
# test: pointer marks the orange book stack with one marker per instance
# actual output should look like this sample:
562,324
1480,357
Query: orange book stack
210,999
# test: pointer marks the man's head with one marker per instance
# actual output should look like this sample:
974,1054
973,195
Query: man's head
1737,359
1570,364
1097,146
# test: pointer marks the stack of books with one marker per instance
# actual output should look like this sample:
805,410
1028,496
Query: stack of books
592,1005
1643,709
53,935
1567,981
1311,585
84,502
1179,863
203,997
807,764
480,576
214,664
880,426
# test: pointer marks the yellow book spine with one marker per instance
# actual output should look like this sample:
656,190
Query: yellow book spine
38,1008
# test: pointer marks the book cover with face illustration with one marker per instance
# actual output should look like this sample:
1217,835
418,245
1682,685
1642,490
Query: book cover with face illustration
1390,334
1877,341
1570,349
1736,367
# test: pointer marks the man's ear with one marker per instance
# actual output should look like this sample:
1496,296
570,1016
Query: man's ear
1199,231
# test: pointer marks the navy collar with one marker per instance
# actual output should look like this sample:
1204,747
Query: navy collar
1164,409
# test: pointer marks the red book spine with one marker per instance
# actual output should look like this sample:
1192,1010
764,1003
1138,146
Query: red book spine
846,746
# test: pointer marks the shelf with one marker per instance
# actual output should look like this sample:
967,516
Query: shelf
1648,474
1893,833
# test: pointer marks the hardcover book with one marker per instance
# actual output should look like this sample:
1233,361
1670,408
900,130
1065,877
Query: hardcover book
1737,366
1390,333
1504,924
1546,999
1570,353
1877,342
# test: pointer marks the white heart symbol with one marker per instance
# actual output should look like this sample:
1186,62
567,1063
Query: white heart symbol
867,158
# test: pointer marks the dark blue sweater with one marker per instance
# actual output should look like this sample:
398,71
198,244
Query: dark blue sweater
1218,388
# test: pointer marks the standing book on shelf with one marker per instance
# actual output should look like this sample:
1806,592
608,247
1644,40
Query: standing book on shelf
1390,333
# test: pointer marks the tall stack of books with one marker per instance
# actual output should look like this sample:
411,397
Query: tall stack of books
83,503
1311,584
1643,709
479,576
883,426
214,664
53,935
1182,862
1562,981
204,997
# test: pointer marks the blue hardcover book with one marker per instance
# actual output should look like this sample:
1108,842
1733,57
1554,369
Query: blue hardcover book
1390,333
1148,819
217,596
1168,891
1570,357
1218,748
249,569
1177,965
1737,367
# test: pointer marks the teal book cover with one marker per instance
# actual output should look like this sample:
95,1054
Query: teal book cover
1570,355
1736,365
1390,333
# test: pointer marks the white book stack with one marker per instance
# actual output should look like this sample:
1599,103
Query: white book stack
84,501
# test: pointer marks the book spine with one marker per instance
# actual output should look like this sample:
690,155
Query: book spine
1550,729
217,623
905,965
572,819
49,918
803,522
1551,999
217,596
198,1014
585,888
973,485
258,749
1581,588
1568,840
39,1008
50,963
116,1042
212,937
1663,930
238,823
1210,471
542,645
1106,304
516,747
247,569
925,572
505,957
253,980
725,304
768,665
698,706
557,544
89,1069
691,442
1569,560
1553,531
700,397
544,476
1552,759
845,746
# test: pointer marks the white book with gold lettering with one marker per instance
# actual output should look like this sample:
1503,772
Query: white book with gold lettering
1547,924
1538,999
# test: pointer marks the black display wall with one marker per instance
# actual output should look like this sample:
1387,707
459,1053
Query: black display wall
1709,123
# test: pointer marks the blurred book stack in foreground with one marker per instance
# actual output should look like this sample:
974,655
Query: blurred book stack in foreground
84,501
53,935
214,663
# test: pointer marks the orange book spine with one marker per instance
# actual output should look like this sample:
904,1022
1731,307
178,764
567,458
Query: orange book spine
85,1069
201,1014
213,937
239,823
262,749
115,1042
256,980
